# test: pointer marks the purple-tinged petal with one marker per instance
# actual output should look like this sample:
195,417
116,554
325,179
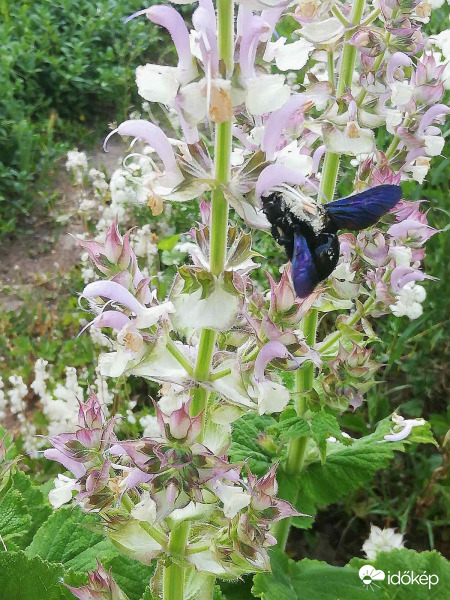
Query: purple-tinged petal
317,157
136,477
113,242
204,21
411,228
127,252
205,211
403,275
113,291
70,464
267,353
274,175
179,423
430,115
124,278
168,17
271,16
111,318
278,121
95,251
154,137
190,132
256,26
90,413
398,59
429,94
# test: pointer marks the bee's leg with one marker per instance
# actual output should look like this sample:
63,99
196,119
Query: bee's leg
287,241
277,234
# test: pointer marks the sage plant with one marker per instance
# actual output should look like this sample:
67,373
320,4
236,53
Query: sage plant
254,113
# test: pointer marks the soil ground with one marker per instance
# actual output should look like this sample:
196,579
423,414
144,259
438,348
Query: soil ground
47,249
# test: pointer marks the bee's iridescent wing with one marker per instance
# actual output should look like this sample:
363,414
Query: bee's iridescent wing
365,209
304,272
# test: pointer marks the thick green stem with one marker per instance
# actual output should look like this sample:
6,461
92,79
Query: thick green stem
297,447
329,177
173,578
305,375
219,204
349,53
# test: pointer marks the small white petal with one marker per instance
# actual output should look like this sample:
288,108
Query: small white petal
233,497
352,142
434,144
266,93
402,93
62,492
145,510
272,397
157,83
193,101
323,32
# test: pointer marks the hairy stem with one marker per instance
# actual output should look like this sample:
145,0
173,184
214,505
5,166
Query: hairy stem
219,204
173,578
297,446
331,162
305,375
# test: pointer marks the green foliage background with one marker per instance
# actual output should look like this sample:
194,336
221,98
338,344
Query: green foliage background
63,65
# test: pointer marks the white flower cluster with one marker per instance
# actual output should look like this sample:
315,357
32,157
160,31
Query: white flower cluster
144,244
408,303
87,268
381,540
77,164
441,41
60,405
14,401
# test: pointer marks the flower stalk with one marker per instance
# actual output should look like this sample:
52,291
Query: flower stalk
173,579
305,375
219,204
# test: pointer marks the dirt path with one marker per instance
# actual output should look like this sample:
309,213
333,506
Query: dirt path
48,249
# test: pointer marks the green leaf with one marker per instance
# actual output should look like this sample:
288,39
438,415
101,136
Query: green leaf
346,468
422,435
324,425
238,590
131,576
294,427
169,243
64,538
309,579
218,595
412,562
15,520
36,504
245,446
321,426
147,594
24,578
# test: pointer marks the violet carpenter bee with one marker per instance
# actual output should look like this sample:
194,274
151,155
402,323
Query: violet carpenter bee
308,231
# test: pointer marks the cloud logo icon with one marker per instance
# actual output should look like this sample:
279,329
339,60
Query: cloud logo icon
369,575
